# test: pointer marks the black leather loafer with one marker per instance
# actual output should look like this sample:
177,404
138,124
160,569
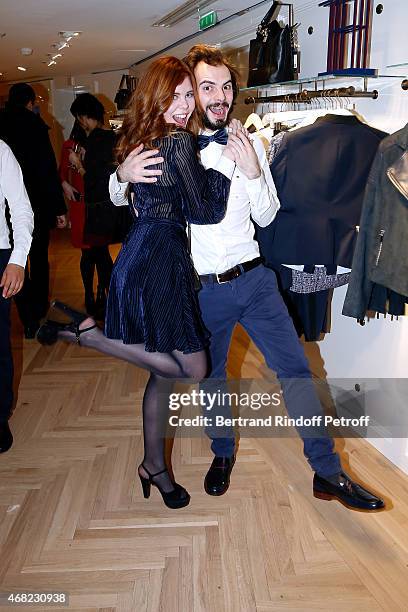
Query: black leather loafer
347,492
6,437
217,479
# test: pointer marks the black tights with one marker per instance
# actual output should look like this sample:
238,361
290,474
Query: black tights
161,366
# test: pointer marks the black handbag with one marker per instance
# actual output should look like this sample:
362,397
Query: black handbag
106,223
126,87
273,54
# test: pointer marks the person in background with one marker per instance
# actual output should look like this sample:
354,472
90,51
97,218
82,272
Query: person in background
95,168
73,186
12,264
22,128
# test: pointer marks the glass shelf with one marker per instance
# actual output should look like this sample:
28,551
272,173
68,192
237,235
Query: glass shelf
324,78
404,65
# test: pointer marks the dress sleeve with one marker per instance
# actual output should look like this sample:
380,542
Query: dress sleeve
204,192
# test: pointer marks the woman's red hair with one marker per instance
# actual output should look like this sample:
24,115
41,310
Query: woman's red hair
144,121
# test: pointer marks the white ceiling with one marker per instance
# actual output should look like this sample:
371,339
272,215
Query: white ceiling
112,33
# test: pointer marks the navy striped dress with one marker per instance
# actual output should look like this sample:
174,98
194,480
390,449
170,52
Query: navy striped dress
152,300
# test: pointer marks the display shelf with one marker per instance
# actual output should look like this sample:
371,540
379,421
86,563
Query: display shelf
323,79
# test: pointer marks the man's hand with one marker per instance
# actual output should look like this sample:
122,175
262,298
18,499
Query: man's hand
243,152
61,221
12,280
134,168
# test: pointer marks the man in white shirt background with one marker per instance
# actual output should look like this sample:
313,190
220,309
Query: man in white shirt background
237,288
12,265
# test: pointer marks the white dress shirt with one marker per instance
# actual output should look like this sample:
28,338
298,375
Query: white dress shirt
22,218
221,246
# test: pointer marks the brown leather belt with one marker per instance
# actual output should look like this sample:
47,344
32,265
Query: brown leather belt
232,273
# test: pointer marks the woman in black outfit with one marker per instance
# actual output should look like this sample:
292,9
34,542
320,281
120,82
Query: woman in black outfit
153,318
96,167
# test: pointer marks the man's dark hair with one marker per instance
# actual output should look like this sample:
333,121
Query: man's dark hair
21,94
213,57
87,105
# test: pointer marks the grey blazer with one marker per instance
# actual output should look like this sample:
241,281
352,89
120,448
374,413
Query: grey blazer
381,254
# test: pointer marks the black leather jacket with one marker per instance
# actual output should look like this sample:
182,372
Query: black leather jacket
381,254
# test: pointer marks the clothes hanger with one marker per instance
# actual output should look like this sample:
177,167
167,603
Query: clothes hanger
254,120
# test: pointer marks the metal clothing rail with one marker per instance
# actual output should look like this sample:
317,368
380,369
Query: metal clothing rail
306,96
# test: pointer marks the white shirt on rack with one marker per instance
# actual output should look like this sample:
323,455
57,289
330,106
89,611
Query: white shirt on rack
22,219
221,246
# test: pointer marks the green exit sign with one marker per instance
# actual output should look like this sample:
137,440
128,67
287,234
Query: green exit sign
208,20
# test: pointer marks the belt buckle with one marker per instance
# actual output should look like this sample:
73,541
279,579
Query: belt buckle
220,282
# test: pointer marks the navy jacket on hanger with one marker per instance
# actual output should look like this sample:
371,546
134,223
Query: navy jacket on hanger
320,172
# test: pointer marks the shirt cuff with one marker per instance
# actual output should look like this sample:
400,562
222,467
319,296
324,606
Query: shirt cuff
18,257
117,189
225,166
255,186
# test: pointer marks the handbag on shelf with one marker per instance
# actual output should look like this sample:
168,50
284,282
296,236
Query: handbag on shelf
274,56
126,87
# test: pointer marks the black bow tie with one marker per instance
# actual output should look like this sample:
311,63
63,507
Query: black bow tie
219,136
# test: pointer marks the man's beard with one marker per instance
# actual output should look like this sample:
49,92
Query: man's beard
218,124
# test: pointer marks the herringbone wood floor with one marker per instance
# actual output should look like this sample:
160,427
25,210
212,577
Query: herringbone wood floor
73,518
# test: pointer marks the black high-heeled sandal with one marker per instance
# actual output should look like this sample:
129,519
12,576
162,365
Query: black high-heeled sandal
178,498
48,332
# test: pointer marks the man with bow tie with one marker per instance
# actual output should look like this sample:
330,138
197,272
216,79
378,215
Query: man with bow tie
236,287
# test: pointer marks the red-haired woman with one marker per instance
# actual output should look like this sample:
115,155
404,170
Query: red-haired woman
153,318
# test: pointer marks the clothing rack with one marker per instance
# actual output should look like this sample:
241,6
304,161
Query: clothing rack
306,96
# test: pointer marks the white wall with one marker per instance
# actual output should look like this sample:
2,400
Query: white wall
103,85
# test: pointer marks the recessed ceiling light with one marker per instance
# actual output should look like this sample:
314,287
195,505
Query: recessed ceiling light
56,55
51,63
21,68
68,34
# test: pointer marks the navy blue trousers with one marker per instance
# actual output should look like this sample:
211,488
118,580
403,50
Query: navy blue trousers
254,301
6,359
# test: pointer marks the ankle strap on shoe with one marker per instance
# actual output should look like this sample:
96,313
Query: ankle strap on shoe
78,332
153,475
